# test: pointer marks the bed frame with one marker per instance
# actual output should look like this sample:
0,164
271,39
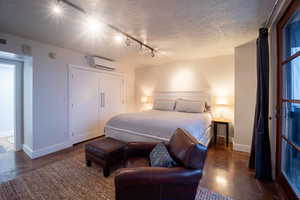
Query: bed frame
191,95
130,136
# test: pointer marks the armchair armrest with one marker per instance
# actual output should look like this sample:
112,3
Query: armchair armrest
156,175
138,149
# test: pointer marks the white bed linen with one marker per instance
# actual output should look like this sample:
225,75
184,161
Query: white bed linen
160,125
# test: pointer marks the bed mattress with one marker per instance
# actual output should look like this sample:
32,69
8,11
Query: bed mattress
160,125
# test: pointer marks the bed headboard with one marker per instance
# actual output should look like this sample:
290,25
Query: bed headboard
191,95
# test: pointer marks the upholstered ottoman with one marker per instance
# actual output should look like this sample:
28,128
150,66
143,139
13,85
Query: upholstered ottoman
105,152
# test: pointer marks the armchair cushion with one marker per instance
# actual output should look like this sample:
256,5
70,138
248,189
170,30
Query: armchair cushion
138,149
156,175
160,157
134,162
185,149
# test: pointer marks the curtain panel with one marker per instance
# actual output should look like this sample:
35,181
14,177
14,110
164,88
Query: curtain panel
260,158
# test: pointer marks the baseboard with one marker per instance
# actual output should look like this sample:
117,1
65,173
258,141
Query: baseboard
45,151
241,147
27,150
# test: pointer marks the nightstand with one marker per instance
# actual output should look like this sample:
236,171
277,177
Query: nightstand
225,122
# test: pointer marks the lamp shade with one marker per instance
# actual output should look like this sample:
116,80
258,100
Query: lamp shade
146,99
222,101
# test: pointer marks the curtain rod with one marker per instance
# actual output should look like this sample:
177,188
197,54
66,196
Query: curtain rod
268,21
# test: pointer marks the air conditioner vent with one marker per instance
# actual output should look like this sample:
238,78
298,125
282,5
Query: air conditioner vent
101,63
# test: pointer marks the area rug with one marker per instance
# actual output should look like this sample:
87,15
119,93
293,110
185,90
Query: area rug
71,179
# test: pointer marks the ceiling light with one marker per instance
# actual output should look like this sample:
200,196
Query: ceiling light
119,38
56,9
93,25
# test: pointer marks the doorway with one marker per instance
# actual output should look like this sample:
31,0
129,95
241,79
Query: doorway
10,107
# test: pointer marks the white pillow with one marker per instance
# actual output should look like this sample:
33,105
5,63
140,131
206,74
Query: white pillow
163,104
190,106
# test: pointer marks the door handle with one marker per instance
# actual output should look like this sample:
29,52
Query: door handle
103,99
100,99
270,118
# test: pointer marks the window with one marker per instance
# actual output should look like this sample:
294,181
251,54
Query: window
288,123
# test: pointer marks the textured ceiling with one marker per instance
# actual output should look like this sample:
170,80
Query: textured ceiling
181,29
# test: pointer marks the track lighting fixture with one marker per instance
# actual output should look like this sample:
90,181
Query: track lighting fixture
128,42
94,26
152,54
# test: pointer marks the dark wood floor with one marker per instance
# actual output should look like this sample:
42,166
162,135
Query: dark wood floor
225,171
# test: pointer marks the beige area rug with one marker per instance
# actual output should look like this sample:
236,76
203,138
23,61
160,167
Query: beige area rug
71,179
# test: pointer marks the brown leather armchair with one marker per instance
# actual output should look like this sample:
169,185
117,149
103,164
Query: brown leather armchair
140,181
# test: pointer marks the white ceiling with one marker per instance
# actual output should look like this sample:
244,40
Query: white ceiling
181,29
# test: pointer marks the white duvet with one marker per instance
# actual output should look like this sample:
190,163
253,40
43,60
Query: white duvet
162,124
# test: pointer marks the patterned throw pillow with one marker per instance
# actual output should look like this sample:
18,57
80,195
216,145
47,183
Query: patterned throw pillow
160,157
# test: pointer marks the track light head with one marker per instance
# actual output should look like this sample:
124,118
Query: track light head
152,54
57,9
118,38
128,42
92,24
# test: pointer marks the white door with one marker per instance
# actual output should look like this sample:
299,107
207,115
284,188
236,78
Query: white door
84,105
112,88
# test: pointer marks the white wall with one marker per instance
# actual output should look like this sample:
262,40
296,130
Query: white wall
50,92
245,95
215,75
7,100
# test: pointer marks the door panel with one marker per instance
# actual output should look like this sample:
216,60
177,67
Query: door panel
290,165
85,105
291,80
112,100
291,32
291,123
288,118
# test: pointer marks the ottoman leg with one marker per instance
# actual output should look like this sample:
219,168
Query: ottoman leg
88,163
105,171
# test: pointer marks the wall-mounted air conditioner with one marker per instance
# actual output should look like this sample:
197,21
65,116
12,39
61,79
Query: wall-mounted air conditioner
101,63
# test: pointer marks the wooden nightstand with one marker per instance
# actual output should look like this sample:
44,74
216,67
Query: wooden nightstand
225,122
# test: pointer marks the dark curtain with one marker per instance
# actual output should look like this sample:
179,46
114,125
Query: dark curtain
260,158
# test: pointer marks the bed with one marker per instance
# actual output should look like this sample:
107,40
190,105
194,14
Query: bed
159,125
